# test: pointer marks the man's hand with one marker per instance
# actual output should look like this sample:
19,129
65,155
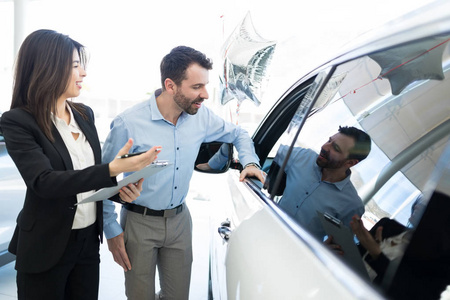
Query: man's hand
329,243
131,192
204,167
252,171
117,247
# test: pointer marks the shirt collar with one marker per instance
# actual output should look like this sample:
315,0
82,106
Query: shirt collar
156,114
73,126
341,184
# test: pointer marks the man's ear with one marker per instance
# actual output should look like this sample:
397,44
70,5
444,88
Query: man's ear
170,85
352,161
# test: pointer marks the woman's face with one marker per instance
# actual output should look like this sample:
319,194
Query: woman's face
78,73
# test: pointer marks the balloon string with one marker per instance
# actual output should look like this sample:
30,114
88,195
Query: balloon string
384,74
223,26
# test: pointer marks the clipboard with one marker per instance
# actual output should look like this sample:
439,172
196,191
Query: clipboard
106,193
343,236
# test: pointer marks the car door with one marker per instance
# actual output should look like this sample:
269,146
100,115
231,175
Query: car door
266,250
254,238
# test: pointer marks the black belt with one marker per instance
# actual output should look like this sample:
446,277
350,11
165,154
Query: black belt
166,213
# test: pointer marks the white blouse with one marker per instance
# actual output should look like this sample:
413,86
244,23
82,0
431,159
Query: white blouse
82,157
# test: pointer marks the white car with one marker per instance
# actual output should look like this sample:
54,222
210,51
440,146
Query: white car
394,85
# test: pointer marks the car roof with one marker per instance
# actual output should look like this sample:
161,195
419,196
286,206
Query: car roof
430,20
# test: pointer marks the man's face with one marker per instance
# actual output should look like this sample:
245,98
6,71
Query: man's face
334,153
192,91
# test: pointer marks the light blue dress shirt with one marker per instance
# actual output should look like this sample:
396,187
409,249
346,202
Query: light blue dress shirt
306,194
180,145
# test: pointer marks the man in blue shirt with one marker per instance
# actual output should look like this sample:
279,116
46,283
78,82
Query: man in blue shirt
157,227
321,182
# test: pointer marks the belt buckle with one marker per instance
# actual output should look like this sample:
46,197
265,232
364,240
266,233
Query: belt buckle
145,211
168,213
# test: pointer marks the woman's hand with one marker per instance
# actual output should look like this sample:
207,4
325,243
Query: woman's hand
365,238
131,192
134,163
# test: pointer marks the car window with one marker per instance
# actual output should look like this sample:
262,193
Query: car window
399,97
356,95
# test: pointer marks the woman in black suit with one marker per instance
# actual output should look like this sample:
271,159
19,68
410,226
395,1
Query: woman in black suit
54,144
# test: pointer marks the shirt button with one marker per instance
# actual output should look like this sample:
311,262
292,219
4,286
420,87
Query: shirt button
171,204
306,193
177,168
175,187
178,148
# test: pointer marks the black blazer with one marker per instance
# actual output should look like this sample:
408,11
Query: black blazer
45,221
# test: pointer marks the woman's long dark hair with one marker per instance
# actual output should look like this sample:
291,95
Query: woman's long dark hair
43,68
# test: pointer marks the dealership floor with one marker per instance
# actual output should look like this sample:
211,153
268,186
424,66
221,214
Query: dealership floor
111,275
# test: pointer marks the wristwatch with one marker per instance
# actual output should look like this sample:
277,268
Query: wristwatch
252,164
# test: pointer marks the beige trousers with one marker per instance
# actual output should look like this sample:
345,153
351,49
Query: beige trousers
153,241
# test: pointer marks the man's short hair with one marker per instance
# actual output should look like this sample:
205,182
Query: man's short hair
175,64
362,142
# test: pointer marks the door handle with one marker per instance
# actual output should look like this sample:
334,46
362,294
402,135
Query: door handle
225,230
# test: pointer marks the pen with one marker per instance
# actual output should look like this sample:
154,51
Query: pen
131,154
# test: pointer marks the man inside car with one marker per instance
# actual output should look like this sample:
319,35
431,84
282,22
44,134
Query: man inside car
321,182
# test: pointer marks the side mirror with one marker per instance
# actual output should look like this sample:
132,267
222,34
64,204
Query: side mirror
208,150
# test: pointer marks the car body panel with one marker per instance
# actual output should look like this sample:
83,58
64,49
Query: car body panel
261,241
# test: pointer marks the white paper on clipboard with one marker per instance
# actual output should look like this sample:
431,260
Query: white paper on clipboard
343,236
145,172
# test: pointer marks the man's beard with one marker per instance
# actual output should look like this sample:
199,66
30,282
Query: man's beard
185,103
329,164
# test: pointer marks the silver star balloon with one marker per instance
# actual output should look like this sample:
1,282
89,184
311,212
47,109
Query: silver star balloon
406,64
246,56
